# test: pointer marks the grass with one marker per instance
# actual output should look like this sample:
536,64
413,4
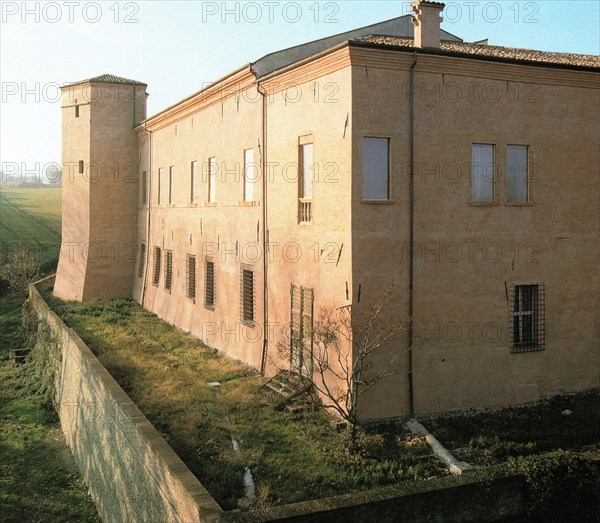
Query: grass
292,457
32,214
495,437
38,480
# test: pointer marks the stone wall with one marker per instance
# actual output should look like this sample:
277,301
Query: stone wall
132,473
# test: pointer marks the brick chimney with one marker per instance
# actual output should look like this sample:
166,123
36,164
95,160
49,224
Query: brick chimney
427,22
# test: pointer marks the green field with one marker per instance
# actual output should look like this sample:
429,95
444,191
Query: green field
32,214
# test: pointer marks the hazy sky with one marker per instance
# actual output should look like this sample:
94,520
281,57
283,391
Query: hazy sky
177,47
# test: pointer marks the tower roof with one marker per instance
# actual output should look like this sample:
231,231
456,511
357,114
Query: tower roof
107,79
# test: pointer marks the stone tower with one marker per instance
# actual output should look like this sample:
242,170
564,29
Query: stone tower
100,157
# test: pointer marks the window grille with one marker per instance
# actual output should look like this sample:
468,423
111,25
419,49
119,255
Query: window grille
168,269
527,323
156,271
209,284
247,301
191,277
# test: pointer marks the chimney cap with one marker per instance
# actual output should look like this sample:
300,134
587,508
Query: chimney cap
429,2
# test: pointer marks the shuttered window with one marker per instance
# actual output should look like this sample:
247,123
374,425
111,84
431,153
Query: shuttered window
247,296
301,330
191,276
168,269
517,173
156,269
142,260
209,284
482,169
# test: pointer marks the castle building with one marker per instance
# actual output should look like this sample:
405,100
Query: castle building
315,177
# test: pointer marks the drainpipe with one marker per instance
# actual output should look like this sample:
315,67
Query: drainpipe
149,202
265,234
411,275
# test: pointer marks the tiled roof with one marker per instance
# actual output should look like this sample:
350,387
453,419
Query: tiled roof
493,52
109,79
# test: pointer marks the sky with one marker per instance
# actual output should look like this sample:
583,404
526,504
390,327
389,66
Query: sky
177,47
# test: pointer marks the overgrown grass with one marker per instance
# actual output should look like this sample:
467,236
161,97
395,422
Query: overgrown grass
292,457
37,480
494,437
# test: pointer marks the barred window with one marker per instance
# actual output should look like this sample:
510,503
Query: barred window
527,325
156,271
142,260
191,276
168,269
247,298
209,284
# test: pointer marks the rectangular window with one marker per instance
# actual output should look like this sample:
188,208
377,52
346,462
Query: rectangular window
171,174
212,179
194,182
76,111
144,188
250,175
517,173
305,187
159,187
81,166
527,317
156,271
168,269
376,169
209,284
191,276
247,300
142,260
483,169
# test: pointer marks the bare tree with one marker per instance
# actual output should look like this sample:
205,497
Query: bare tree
344,347
19,267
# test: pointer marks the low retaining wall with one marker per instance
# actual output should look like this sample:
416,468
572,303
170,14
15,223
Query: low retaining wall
134,475
131,471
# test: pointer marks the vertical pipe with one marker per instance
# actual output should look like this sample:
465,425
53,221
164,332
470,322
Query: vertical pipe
265,234
411,275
